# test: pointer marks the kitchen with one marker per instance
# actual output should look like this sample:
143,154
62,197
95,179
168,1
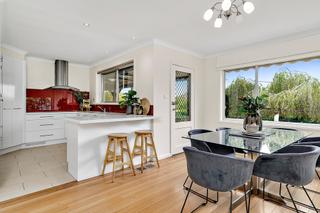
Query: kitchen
37,123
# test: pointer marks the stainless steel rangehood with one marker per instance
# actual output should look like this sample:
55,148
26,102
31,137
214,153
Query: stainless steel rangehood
61,70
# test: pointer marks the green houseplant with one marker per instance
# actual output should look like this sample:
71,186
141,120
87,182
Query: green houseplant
129,99
251,106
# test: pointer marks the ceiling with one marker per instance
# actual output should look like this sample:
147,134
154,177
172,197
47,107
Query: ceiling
54,28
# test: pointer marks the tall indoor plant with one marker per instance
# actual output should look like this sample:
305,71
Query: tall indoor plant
129,99
251,106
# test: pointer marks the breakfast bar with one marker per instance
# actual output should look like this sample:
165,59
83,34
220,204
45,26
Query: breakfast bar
86,136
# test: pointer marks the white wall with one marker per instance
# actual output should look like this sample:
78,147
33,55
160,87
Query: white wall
143,65
40,74
1,19
152,73
267,52
164,58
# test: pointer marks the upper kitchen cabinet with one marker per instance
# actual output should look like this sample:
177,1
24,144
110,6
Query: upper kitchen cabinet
13,78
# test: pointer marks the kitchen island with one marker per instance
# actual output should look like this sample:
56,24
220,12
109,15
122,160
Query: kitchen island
86,136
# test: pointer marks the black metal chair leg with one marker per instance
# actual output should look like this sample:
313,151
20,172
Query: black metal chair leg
315,208
280,190
250,194
230,207
217,197
245,197
184,184
263,188
318,174
202,204
185,200
294,204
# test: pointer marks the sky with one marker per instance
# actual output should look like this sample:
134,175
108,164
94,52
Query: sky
266,73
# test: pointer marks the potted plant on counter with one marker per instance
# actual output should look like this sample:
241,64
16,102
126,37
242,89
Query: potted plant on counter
251,106
129,100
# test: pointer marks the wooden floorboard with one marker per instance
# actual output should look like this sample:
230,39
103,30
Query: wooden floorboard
156,190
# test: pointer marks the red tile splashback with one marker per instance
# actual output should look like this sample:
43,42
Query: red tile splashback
52,100
61,100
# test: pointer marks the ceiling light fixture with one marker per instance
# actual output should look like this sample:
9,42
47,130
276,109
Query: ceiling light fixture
227,8
86,24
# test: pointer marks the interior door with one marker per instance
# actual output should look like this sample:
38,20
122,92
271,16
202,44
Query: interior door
182,107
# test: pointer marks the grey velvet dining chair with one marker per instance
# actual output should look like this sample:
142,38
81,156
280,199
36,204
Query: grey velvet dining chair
293,165
203,146
217,172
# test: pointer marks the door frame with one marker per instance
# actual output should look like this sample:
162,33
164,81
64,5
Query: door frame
175,68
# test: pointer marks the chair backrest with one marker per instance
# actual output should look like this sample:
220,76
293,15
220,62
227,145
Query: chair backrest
314,141
294,165
222,128
282,128
200,145
217,172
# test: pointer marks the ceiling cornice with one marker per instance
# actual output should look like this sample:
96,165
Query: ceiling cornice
282,39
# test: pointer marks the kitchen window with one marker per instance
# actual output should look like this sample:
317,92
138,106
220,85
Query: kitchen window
293,90
116,81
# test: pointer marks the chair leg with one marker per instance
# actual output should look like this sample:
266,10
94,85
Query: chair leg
115,143
202,204
263,188
250,188
142,153
230,206
280,190
245,197
106,157
294,204
315,208
318,174
184,184
130,157
185,200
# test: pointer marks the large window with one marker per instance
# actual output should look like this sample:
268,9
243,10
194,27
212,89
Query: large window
293,90
116,81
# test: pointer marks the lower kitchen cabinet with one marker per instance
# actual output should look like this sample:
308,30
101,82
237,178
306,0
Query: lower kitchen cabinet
13,127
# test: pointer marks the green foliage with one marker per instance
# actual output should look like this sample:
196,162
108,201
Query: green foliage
295,96
78,96
286,80
251,105
238,88
129,99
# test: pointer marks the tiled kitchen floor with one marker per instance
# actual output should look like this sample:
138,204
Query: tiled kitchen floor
30,170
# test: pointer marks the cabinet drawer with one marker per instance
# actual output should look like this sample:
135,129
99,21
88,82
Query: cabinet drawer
44,116
44,124
44,135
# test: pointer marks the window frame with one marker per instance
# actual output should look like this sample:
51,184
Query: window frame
116,102
256,65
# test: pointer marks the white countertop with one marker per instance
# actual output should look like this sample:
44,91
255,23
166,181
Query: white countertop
100,117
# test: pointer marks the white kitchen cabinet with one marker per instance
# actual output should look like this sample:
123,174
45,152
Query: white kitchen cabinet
13,128
7,128
13,104
45,127
14,72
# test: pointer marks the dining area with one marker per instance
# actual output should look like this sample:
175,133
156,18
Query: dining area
274,164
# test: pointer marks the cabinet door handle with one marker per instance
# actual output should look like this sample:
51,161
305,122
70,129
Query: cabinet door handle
49,116
46,124
17,108
46,135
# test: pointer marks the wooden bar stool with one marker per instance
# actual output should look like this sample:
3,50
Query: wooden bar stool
117,140
141,147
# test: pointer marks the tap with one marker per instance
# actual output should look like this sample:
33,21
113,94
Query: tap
102,109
